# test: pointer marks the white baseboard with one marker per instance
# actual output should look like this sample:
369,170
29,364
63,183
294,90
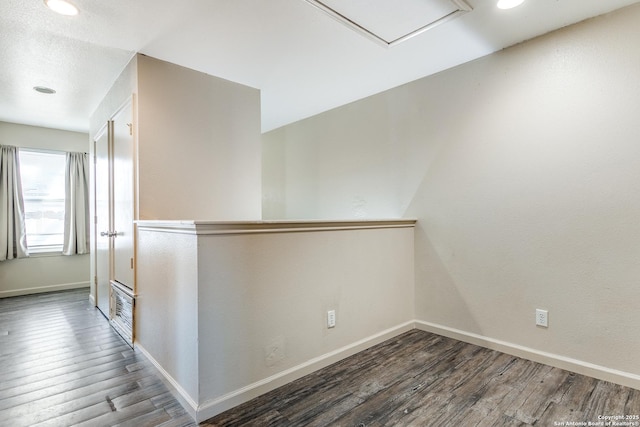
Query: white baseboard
180,394
220,404
42,289
215,406
574,365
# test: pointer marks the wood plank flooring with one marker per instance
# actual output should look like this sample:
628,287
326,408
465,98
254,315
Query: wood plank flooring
421,379
61,364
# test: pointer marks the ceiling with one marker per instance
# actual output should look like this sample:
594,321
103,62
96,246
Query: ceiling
303,61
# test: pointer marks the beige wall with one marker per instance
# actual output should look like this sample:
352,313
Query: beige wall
166,307
199,145
124,88
197,142
42,138
198,152
230,313
43,273
260,289
522,169
40,273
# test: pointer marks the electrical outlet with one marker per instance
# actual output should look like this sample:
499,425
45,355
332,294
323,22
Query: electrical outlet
331,319
542,318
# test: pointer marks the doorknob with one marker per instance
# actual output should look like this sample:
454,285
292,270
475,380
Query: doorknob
108,233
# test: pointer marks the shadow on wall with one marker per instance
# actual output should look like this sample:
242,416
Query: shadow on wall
436,286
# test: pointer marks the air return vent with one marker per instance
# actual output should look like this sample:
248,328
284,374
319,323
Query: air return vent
122,306
390,22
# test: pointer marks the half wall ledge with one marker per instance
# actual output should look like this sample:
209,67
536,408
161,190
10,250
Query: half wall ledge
230,310
271,226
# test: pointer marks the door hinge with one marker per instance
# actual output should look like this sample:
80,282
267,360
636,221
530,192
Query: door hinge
130,128
95,280
132,263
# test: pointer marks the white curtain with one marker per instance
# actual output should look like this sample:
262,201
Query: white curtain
76,216
13,234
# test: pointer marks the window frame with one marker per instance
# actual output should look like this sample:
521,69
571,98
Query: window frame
44,249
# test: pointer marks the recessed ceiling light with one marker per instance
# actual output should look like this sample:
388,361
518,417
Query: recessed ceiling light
508,4
62,7
44,89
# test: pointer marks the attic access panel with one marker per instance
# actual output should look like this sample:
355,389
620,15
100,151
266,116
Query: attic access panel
390,22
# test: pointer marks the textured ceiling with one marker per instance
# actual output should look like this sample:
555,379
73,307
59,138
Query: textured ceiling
303,61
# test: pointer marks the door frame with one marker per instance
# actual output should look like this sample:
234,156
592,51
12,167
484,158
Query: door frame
115,118
104,130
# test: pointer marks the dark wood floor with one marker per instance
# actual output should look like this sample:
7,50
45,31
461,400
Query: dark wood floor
61,365
421,379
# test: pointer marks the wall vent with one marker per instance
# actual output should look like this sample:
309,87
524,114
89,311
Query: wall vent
122,306
390,22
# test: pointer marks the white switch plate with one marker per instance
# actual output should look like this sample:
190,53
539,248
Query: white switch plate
331,319
542,318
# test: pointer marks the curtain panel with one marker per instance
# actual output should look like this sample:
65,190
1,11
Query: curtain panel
76,217
13,234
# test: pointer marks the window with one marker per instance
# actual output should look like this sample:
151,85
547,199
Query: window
43,189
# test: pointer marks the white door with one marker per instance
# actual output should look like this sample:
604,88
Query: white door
123,197
103,219
114,206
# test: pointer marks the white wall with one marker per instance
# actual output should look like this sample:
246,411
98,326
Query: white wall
522,169
43,273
